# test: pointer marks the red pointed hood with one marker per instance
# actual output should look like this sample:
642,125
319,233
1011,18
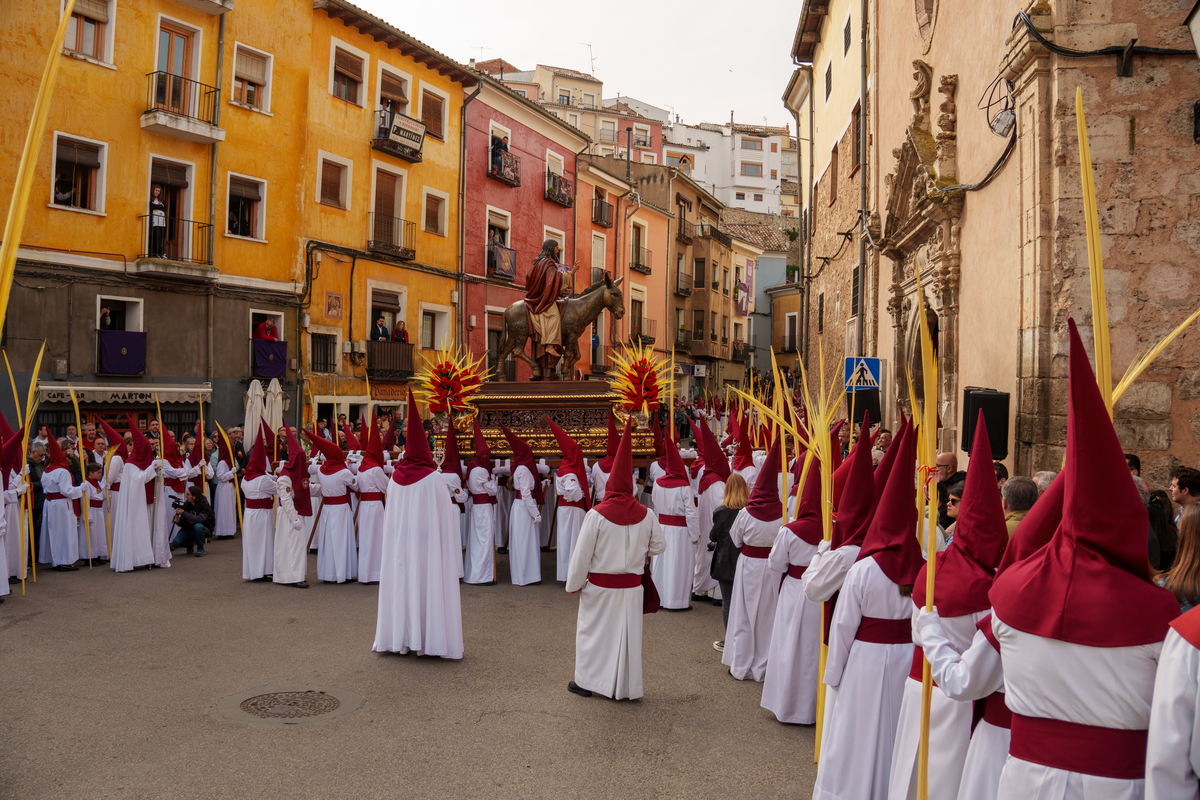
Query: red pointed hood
716,465
1092,583
196,456
837,446
619,506
113,438
523,457
1037,527
610,452
572,458
807,524
744,457
765,504
676,473
417,462
892,536
732,432
269,440
57,460
859,501
296,469
889,458
170,448
483,455
6,431
451,463
373,454
256,466
334,460
352,442
966,568
143,452
10,456
659,452
698,461
389,436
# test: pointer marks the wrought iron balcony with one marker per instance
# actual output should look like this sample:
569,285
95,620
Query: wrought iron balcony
501,262
608,136
683,341
506,168
389,360
392,236
642,330
789,346
181,107
641,140
602,213
602,359
409,142
713,336
710,231
560,189
741,351
182,240
686,231
683,284
639,260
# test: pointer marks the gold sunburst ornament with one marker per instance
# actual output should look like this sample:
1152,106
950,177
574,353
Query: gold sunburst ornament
640,381
450,382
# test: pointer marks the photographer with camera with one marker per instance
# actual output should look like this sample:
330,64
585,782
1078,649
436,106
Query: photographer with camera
194,518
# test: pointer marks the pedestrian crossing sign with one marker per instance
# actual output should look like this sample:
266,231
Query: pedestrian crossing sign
862,374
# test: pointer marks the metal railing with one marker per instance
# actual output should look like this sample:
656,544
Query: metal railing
608,136
716,284
642,330
506,168
176,240
391,235
789,345
602,359
741,351
501,262
683,284
560,189
602,213
384,143
683,341
710,231
686,232
389,360
641,140
181,96
639,260
713,336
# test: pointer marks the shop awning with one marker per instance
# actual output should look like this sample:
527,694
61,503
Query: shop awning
110,393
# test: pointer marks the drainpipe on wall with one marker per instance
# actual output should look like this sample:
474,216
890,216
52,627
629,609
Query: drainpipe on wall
575,220
462,227
812,155
212,187
862,192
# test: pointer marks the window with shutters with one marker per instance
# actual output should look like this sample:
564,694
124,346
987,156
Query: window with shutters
251,78
347,75
331,184
86,29
244,207
393,92
428,328
433,113
78,173
436,205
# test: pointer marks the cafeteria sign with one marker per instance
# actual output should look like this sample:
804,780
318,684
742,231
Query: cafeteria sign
407,131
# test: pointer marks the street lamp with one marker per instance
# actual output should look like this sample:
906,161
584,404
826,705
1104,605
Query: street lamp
1193,24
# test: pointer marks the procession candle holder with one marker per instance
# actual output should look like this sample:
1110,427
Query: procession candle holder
439,455
732,448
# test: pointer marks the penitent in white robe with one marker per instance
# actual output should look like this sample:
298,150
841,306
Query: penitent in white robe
225,502
755,595
793,661
608,630
479,565
710,500
132,546
673,569
314,499
420,608
570,520
459,496
3,547
1173,751
370,523
94,529
162,514
524,553
549,512
258,529
337,559
822,580
949,724
856,751
291,542
59,541
16,545
599,480
1106,687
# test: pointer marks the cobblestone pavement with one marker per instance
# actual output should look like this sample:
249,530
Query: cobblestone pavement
111,685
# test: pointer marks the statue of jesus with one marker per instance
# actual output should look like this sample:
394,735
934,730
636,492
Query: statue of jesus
542,290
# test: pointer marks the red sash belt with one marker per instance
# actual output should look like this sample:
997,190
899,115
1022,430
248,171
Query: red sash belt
750,551
674,520
917,673
483,499
796,571
1104,752
369,496
116,487
995,712
884,631
580,503
340,500
260,503
624,580
54,496
96,503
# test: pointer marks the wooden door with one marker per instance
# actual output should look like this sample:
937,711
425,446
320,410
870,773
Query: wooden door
384,224
174,69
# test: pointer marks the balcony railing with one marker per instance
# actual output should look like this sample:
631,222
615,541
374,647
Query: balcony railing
741,351
182,97
602,359
713,336
709,231
391,235
176,240
389,360
602,213
683,341
641,140
683,284
642,330
639,260
384,143
686,232
789,346
501,262
608,136
560,189
716,284
506,168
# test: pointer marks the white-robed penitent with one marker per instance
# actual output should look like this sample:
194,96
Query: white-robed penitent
711,494
132,546
1173,746
91,527
570,485
15,546
293,508
337,558
258,520
675,504
615,542
371,484
419,604
451,472
225,499
524,552
59,543
479,564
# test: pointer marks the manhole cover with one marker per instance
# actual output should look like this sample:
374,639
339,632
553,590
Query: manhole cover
287,704
290,705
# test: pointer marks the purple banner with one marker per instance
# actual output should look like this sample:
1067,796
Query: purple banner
122,352
270,358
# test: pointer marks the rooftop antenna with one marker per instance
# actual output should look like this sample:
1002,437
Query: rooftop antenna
591,58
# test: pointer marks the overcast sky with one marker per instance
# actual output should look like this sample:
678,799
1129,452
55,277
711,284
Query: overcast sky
702,58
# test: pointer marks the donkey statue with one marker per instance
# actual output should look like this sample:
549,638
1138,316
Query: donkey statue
578,314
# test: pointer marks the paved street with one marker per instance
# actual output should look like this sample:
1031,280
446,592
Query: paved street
111,684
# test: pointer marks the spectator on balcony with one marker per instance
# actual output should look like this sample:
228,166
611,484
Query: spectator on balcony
106,320
400,333
379,331
266,331
64,192
499,146
158,224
